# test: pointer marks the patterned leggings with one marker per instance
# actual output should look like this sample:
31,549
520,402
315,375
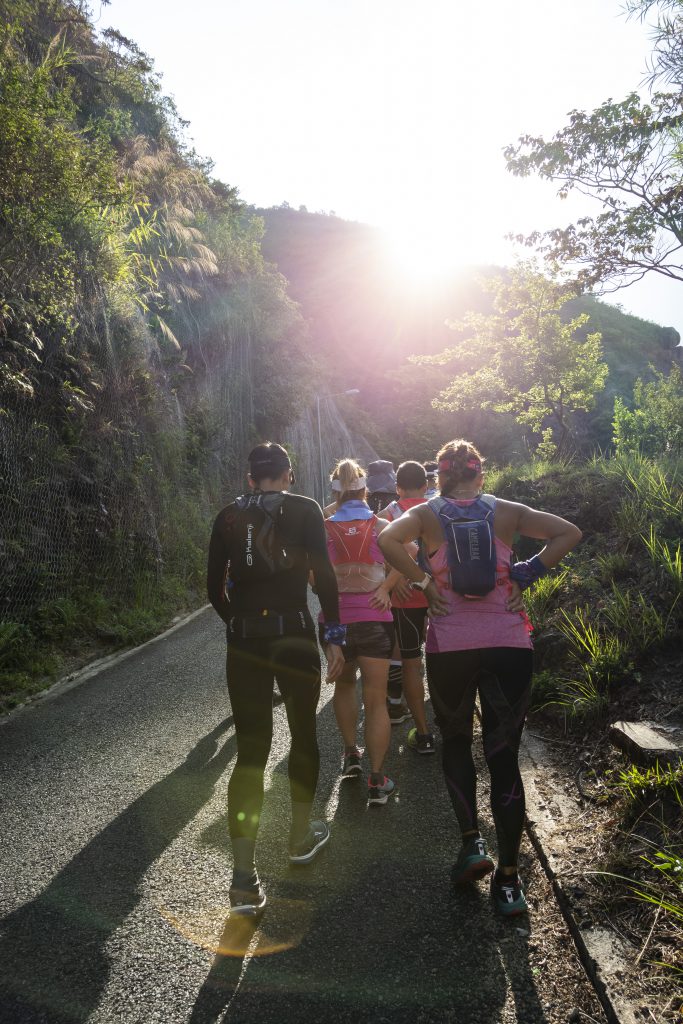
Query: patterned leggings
502,678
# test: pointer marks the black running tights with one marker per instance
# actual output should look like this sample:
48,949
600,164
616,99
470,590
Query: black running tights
252,665
502,678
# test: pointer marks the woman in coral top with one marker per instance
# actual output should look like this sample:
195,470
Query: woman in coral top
365,612
478,643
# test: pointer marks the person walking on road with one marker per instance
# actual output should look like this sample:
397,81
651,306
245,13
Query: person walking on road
365,603
409,608
262,547
431,470
381,484
478,642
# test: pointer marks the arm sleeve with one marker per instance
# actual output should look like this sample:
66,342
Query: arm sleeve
319,561
218,566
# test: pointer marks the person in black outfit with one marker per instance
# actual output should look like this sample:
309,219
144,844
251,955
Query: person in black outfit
271,635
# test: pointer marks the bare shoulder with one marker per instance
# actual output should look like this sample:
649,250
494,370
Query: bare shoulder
511,512
531,522
429,527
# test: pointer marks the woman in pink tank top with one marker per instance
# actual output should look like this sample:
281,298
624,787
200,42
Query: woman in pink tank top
365,612
478,644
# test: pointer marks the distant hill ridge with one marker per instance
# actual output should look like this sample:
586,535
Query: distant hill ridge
365,323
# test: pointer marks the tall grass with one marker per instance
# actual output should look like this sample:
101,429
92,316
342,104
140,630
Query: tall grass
602,659
667,559
541,599
637,620
601,653
651,493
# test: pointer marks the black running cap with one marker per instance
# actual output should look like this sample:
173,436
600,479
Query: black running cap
269,457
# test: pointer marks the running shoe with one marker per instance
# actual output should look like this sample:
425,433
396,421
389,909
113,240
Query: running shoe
422,742
508,895
473,862
318,834
398,713
247,895
381,793
352,766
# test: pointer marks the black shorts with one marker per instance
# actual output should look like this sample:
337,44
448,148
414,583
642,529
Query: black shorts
410,630
367,640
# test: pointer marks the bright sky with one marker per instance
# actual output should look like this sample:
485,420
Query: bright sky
395,112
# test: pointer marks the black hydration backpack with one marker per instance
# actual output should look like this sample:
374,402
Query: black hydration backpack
257,550
471,543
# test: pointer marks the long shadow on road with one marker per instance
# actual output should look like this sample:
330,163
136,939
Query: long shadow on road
53,963
372,930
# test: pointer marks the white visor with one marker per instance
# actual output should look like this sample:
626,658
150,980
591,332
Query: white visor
357,485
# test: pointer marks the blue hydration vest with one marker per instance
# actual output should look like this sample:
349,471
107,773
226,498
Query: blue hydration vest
471,551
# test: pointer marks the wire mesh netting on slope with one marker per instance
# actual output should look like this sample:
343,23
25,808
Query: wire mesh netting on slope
316,455
129,492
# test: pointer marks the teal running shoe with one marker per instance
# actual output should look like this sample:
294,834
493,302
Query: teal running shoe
473,862
508,895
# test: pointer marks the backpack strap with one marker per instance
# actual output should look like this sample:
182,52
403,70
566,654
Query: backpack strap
270,503
441,506
436,504
395,509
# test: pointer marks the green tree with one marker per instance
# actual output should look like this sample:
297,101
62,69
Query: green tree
627,155
525,360
655,424
58,196
667,57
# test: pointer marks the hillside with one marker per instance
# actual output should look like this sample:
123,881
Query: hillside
366,322
145,345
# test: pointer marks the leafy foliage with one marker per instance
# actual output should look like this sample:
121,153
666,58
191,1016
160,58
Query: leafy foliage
136,309
666,62
626,155
655,424
525,360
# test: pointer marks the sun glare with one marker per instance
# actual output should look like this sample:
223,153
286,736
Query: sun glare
422,254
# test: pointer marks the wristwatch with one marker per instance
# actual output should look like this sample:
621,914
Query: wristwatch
423,584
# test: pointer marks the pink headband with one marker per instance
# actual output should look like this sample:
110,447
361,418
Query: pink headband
446,464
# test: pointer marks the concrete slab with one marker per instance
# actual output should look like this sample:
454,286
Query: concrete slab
647,742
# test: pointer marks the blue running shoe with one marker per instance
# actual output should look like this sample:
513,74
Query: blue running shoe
473,862
508,895
380,794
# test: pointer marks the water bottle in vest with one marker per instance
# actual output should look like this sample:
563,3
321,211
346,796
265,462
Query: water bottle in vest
471,550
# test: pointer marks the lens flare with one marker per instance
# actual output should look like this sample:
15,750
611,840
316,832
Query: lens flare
281,927
423,254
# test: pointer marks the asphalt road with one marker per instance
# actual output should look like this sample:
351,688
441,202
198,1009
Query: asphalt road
116,868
